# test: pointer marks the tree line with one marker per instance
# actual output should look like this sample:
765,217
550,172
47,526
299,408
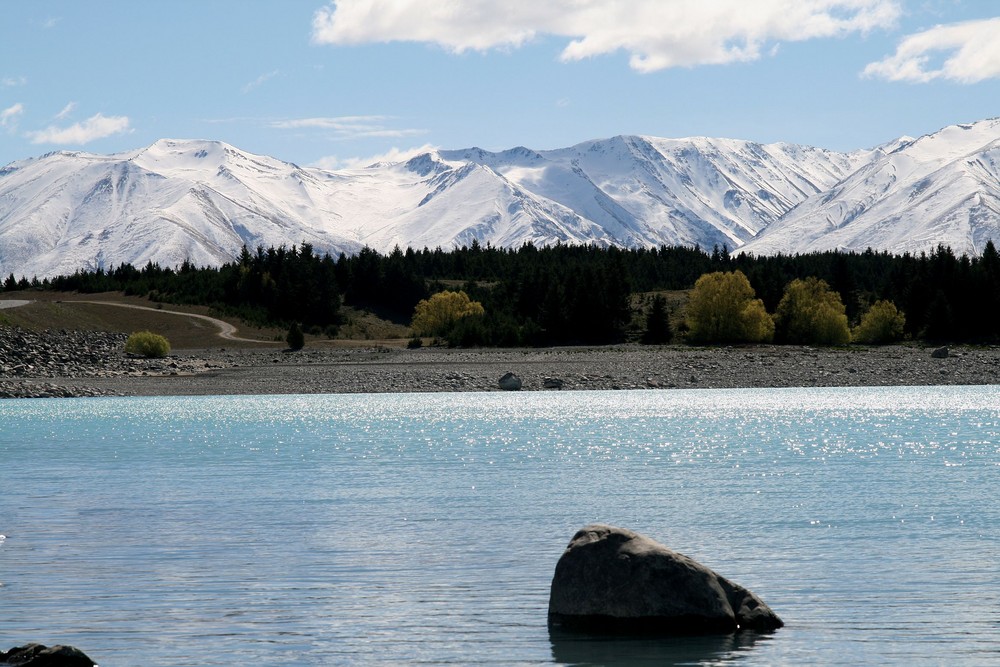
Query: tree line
561,294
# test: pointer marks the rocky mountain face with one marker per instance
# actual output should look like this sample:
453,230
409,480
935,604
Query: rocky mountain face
203,200
943,188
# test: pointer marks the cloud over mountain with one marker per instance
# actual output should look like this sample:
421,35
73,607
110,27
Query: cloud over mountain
973,48
97,126
657,34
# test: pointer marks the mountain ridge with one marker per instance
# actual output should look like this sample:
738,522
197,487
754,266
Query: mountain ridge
202,200
941,188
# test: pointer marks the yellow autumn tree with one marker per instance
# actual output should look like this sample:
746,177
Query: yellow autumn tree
810,313
882,323
723,308
434,316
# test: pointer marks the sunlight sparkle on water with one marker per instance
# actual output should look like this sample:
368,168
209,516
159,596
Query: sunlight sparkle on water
424,527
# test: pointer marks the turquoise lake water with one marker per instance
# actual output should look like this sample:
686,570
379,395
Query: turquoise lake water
425,528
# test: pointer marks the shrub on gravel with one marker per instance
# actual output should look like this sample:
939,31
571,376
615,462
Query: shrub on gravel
147,344
295,338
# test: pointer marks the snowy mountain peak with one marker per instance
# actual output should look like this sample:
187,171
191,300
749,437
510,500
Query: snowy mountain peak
955,141
202,200
426,164
183,153
942,188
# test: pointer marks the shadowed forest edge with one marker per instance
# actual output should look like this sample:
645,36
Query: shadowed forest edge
569,294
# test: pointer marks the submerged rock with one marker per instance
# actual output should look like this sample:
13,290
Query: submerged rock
614,581
39,655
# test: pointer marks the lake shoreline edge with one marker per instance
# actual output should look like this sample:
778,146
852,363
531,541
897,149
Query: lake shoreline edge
377,369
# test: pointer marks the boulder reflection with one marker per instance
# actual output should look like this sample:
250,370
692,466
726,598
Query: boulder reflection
570,648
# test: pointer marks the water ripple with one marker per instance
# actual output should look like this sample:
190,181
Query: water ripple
387,529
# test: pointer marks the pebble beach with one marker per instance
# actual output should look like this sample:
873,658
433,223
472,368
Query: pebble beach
40,365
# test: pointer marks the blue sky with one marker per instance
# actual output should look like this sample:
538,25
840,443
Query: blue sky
338,83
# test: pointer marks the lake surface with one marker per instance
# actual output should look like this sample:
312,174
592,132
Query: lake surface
425,528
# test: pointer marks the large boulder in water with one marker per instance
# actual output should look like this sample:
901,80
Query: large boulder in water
614,581
39,655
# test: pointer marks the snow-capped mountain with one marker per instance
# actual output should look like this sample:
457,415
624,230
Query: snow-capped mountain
943,188
202,200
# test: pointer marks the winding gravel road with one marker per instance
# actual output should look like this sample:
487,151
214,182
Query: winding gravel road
226,330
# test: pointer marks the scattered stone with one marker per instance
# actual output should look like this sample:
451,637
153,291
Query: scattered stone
27,356
614,581
39,655
940,353
45,365
510,382
552,383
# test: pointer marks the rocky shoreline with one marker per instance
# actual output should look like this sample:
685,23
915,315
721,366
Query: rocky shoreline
68,363
33,364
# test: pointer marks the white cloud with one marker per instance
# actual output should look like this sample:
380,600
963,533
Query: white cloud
9,116
66,111
392,155
259,81
656,33
332,123
348,127
974,48
11,81
96,127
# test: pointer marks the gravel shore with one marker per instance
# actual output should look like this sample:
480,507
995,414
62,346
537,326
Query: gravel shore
219,371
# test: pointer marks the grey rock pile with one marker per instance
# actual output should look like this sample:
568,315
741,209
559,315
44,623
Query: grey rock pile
30,361
61,353
49,390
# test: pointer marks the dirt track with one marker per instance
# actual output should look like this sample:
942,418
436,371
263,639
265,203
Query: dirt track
226,330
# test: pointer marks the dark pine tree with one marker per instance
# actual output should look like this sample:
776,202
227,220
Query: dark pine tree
296,339
658,330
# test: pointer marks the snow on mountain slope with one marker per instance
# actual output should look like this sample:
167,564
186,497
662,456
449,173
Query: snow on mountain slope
202,200
429,202
170,202
943,188
645,191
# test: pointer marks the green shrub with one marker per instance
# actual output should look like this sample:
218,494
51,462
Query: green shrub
147,344
810,313
296,339
883,323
